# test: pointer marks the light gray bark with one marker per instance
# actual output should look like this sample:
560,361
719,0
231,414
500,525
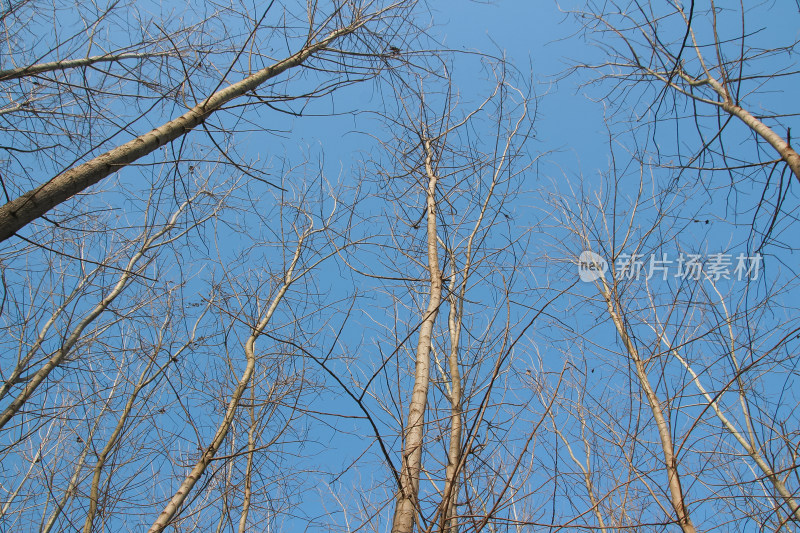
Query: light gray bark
454,452
180,495
248,476
406,503
21,211
65,64
677,496
786,152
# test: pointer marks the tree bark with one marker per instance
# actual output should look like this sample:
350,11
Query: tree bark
677,498
23,210
450,493
178,499
406,503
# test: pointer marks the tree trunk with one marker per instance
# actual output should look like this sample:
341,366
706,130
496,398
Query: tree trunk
406,504
677,497
23,210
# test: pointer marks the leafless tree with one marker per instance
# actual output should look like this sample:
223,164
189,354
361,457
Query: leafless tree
446,377
75,110
684,82
198,336
709,360
150,409
692,80
133,387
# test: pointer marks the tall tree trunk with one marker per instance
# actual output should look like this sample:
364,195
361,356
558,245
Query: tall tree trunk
456,430
406,504
182,493
677,496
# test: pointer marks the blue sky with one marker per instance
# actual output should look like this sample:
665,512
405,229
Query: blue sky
573,154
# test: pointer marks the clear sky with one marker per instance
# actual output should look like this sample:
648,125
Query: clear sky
361,306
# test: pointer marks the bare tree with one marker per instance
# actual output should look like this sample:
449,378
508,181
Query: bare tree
130,390
141,420
291,275
82,360
446,370
683,83
691,80
345,44
703,357
201,337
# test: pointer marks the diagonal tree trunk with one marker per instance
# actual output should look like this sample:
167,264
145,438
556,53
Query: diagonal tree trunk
677,495
182,493
23,210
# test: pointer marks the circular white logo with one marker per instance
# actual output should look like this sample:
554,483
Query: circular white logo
591,266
